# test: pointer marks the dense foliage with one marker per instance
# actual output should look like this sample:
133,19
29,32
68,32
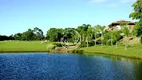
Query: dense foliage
29,35
137,15
4,37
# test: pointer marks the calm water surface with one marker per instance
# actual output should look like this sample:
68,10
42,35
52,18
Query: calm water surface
44,66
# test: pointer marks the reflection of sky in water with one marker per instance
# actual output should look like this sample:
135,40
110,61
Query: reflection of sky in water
67,67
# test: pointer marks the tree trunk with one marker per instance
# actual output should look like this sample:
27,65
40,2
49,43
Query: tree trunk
125,47
126,43
102,39
95,38
116,45
83,37
111,39
87,41
80,38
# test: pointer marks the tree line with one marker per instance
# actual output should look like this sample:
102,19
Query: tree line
29,35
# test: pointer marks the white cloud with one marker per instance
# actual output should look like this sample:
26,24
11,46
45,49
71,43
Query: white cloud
98,1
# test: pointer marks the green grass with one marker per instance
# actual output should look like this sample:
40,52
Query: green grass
134,51
24,46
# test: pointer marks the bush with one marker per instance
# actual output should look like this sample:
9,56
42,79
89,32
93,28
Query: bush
78,51
141,39
58,44
83,44
91,43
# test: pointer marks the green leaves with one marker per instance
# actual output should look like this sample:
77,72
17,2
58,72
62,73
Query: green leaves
39,33
138,29
137,14
126,31
54,34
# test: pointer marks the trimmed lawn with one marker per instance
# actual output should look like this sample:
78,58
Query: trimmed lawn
17,46
132,51
36,46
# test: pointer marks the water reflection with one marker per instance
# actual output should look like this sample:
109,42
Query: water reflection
138,70
68,67
103,68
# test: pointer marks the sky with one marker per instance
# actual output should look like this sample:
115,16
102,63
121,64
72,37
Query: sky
20,15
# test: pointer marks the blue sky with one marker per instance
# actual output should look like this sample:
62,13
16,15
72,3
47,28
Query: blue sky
19,15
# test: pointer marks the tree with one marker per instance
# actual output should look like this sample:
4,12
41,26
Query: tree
28,35
83,30
107,38
99,30
126,32
4,37
89,34
54,34
69,34
137,15
116,37
18,36
39,33
86,32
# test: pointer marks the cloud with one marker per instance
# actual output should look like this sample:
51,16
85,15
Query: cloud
98,1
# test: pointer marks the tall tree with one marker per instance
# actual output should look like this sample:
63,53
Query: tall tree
28,35
99,29
39,33
126,32
89,34
18,36
137,15
54,34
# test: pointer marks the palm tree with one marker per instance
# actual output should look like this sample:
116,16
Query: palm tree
114,35
125,30
100,30
83,31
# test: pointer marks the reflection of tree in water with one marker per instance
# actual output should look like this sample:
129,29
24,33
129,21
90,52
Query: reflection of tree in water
138,70
94,68
85,68
100,68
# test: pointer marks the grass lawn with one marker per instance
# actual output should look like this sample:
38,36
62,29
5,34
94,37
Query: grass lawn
23,46
132,51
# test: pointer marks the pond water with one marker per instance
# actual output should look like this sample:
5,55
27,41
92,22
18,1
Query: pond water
44,66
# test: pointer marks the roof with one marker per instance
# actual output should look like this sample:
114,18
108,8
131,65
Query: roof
121,21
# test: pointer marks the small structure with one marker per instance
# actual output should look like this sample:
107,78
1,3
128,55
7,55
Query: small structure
117,25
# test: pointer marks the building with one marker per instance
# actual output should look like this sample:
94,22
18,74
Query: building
117,25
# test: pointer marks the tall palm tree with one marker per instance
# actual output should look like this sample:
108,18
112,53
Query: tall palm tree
125,30
100,30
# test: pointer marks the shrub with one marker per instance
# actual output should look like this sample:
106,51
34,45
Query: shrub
83,44
78,51
58,44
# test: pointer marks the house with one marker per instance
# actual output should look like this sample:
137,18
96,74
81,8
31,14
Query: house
117,25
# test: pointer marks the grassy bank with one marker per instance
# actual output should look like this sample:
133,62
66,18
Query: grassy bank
24,46
133,51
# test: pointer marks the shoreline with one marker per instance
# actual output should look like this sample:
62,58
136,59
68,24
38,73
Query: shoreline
84,53
117,55
20,51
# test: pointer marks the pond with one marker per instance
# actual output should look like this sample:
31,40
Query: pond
44,66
